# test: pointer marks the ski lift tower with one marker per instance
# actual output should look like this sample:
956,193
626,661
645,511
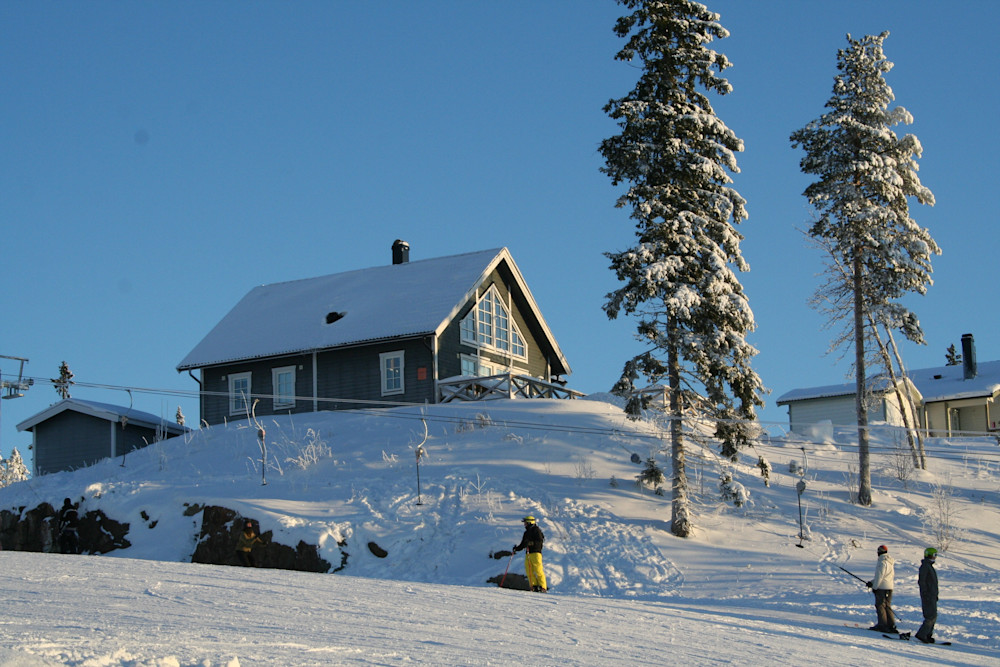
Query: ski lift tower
14,388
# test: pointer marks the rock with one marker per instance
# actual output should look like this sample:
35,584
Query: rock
220,530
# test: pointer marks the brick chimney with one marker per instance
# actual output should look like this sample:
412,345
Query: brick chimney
969,369
400,252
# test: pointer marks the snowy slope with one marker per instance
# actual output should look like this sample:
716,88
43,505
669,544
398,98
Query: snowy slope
623,588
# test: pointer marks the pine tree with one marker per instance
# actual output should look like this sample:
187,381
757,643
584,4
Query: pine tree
65,380
866,176
179,418
14,469
676,156
952,356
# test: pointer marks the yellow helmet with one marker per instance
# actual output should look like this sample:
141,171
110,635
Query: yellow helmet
528,519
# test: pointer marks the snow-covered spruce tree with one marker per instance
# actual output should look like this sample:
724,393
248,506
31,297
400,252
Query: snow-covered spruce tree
62,384
952,357
676,156
14,469
866,176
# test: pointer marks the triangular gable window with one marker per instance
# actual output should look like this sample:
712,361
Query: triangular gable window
489,325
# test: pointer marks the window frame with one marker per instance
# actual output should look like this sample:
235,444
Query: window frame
489,321
282,400
239,403
398,374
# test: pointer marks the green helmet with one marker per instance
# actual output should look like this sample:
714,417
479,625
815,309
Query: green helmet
930,552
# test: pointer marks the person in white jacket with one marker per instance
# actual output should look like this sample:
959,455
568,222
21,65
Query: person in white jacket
882,584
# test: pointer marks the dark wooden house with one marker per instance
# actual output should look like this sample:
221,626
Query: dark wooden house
74,433
383,336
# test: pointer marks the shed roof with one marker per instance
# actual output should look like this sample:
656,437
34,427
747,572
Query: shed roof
366,305
935,384
106,411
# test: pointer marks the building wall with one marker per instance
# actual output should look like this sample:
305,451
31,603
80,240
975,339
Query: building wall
452,347
945,418
838,410
71,440
351,373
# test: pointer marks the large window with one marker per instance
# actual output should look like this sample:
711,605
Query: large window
490,325
391,365
239,393
283,381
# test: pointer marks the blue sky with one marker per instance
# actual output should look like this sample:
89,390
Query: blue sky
160,159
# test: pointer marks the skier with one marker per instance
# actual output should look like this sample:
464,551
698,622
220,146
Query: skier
532,541
928,581
69,524
885,575
245,544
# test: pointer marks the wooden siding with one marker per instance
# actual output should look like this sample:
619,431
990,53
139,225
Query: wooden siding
351,373
354,373
72,440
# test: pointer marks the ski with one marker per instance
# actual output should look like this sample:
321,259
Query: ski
905,636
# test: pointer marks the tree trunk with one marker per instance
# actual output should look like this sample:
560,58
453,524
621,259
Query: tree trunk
920,437
680,523
905,405
864,464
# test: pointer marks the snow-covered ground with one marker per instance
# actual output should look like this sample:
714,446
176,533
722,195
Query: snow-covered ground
624,590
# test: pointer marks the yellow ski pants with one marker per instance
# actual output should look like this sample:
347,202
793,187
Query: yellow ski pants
533,568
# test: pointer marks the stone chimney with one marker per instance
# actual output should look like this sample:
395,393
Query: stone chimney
400,252
969,369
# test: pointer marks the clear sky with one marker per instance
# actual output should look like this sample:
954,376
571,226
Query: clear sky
160,159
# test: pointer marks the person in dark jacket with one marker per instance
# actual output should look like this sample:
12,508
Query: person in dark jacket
69,528
532,541
927,579
247,540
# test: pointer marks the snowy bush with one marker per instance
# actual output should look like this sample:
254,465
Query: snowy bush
584,470
765,470
651,476
941,518
732,491
312,451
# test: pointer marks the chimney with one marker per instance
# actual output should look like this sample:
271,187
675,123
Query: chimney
968,357
400,252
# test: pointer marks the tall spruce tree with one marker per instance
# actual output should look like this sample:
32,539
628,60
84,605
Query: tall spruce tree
679,279
866,176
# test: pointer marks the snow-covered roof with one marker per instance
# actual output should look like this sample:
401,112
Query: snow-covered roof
947,383
939,383
384,302
875,384
112,413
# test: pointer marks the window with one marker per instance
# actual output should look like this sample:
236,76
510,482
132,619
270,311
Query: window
474,367
239,393
489,325
391,365
283,383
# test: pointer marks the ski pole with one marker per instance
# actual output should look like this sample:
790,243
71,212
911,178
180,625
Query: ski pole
854,575
504,577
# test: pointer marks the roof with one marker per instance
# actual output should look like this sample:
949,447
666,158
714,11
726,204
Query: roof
947,383
939,383
366,305
111,413
876,383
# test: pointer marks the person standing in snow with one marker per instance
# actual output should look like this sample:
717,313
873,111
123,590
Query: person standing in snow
532,541
69,525
244,545
928,581
882,584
